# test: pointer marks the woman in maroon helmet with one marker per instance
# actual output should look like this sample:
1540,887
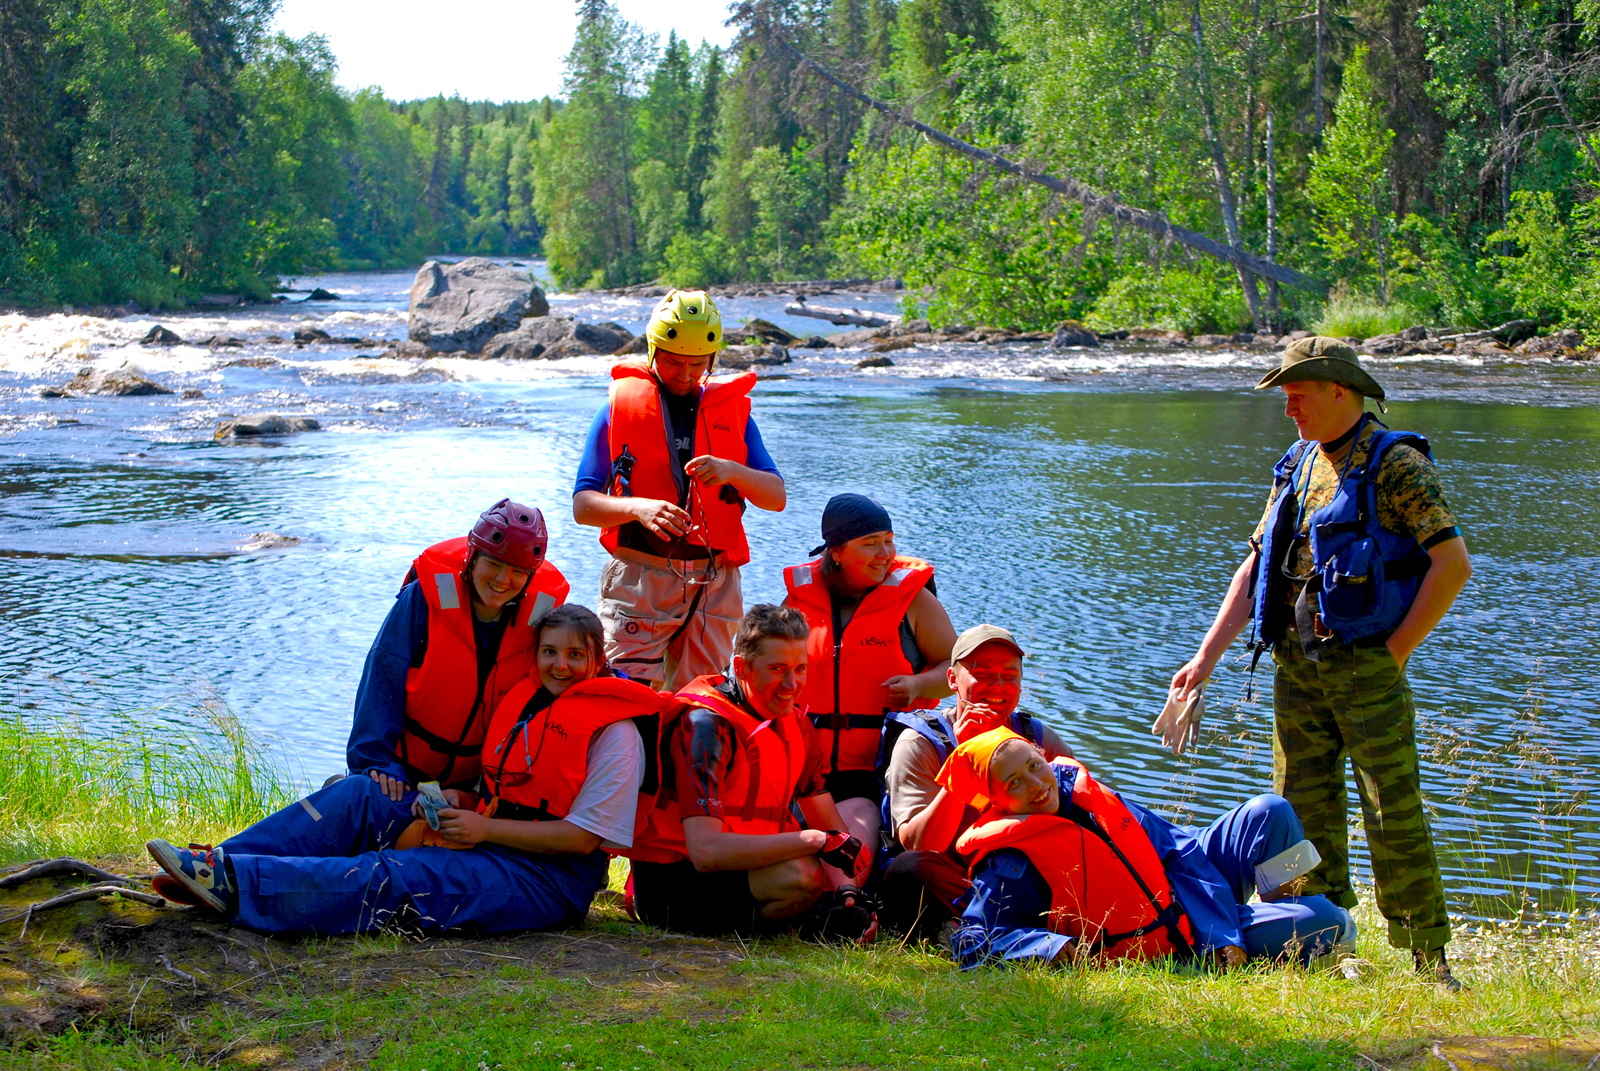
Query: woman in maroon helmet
460,635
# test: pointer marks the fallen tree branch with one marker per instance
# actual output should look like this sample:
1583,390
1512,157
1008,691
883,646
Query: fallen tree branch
90,892
46,868
840,316
1109,205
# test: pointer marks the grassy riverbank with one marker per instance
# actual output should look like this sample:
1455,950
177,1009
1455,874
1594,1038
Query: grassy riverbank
110,984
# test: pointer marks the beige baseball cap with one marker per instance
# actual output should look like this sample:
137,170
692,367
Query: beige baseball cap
978,635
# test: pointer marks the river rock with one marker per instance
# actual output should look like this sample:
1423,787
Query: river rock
1071,333
815,342
740,358
1211,340
269,541
222,342
1415,334
121,382
879,361
1292,336
1559,343
638,345
191,394
848,339
763,331
460,307
257,424
320,294
160,336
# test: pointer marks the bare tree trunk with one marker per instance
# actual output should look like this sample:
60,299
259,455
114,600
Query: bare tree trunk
1316,92
1566,113
1274,315
1219,166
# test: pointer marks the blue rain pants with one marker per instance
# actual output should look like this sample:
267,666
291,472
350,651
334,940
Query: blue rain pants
326,865
1212,873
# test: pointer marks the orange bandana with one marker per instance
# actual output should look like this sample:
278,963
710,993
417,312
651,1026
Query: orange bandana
966,772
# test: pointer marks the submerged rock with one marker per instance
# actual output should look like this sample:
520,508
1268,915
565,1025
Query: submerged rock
320,294
306,335
1071,333
461,307
269,541
121,382
875,362
191,394
257,424
160,336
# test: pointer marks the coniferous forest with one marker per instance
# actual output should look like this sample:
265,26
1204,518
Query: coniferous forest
1419,160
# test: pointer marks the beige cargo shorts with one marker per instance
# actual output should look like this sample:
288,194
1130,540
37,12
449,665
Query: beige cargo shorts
662,629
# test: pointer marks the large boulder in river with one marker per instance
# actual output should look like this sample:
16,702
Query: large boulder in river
121,382
460,307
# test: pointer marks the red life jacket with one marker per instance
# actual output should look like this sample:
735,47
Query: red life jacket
844,695
1107,887
640,425
534,767
758,788
446,704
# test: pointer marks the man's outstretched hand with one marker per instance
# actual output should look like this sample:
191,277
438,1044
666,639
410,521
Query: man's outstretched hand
1179,722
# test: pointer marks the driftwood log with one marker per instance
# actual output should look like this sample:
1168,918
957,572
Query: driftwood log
1102,203
841,316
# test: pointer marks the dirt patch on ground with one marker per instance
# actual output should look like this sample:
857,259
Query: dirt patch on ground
152,972
1497,1054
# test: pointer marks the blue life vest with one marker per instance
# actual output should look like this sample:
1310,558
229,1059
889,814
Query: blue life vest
1365,578
935,728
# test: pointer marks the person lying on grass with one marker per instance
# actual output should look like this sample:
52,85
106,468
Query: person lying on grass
1063,869
724,850
563,763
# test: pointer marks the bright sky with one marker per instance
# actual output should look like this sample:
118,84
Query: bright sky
486,50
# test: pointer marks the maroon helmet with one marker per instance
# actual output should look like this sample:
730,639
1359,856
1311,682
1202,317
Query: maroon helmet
511,532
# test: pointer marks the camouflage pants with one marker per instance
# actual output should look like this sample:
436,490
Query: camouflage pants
1357,702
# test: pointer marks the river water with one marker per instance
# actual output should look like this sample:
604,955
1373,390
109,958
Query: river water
1095,502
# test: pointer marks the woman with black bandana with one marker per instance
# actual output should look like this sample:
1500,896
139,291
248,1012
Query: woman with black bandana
880,643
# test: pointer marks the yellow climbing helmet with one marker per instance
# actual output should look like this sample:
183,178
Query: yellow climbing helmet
686,322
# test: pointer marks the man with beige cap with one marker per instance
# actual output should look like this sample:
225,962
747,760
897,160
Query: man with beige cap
1355,561
921,884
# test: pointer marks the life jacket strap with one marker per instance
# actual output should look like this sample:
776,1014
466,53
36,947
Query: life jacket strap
522,812
439,743
841,722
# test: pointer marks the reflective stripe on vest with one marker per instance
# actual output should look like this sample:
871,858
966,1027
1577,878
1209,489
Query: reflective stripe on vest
536,765
447,705
845,694
640,425
1107,887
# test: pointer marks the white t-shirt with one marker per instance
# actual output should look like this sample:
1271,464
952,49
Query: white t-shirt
609,798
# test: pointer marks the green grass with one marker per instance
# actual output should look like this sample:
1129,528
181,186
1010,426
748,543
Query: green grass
66,791
1350,315
616,996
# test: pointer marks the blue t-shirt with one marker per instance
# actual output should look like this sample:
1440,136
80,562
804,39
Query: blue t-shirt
594,468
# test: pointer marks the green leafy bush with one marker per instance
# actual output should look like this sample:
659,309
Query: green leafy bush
698,260
1354,315
1200,299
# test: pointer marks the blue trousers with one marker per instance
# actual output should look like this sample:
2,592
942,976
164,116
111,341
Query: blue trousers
1252,833
327,865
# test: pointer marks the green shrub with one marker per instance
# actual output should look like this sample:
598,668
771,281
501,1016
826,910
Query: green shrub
1351,315
697,261
1205,298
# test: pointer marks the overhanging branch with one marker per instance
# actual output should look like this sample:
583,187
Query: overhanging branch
1106,204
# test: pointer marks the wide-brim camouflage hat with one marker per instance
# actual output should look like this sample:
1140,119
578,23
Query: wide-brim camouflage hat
1322,358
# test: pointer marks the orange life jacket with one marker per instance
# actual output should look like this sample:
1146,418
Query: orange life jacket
844,695
533,767
758,788
447,705
641,427
1107,887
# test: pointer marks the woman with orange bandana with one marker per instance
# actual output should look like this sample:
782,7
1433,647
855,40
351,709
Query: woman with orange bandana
1063,868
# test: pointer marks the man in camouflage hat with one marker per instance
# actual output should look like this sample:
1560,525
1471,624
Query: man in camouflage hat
1355,561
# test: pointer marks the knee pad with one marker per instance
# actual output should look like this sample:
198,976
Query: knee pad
1291,863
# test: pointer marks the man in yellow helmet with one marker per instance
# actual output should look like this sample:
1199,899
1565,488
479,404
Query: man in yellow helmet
670,462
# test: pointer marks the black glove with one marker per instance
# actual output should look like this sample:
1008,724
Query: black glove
842,914
840,850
